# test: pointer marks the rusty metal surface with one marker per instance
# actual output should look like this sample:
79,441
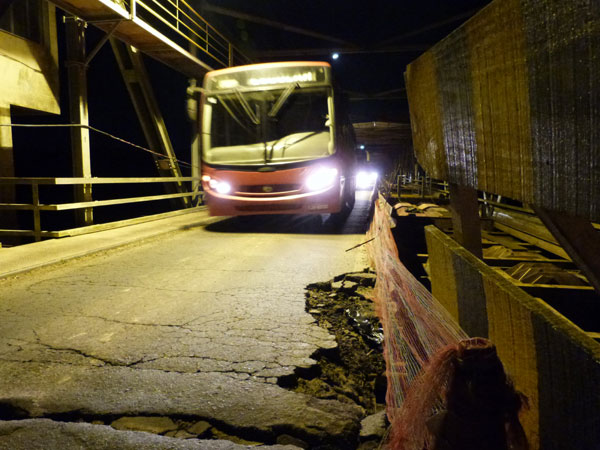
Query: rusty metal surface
389,140
544,273
425,116
384,135
508,104
174,34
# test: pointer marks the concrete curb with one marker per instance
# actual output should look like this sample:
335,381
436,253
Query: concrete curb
23,258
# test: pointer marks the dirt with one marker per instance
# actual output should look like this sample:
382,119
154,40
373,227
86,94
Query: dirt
354,372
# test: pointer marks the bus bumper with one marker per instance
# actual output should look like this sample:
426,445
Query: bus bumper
321,202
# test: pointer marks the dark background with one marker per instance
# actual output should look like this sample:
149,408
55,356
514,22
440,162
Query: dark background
376,40
380,36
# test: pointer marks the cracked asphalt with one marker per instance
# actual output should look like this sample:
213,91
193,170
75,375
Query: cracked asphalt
199,324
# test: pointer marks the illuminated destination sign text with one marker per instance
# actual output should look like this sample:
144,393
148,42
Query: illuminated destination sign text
268,77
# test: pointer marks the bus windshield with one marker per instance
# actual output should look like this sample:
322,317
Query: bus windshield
257,127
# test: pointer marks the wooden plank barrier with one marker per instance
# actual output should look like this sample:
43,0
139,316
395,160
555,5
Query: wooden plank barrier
509,103
551,360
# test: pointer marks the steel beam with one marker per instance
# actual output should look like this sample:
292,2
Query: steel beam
465,217
8,219
148,112
4,6
272,23
78,108
579,239
320,51
430,27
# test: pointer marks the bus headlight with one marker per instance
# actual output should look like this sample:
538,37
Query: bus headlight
222,187
321,178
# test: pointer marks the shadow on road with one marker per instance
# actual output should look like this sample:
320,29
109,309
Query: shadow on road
356,223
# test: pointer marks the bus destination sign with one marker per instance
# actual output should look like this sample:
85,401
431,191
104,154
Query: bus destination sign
268,76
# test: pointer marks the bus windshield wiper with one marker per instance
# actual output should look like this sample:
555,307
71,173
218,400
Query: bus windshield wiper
231,113
247,108
288,144
282,98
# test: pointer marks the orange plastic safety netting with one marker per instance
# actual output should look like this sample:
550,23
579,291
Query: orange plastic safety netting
430,360
415,326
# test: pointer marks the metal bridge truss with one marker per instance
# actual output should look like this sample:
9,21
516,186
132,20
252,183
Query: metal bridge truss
173,33
170,31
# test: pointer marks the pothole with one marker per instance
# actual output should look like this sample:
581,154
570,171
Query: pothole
181,427
178,428
354,372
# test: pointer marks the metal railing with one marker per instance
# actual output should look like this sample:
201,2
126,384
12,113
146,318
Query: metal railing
36,206
178,21
420,185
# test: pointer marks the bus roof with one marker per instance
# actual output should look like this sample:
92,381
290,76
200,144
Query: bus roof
306,73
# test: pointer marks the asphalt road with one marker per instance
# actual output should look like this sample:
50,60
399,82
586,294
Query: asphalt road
177,334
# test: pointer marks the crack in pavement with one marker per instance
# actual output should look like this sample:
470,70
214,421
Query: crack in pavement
37,290
106,361
76,351
124,322
235,411
11,432
235,366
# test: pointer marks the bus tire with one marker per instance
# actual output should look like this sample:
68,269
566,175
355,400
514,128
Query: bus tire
352,198
347,205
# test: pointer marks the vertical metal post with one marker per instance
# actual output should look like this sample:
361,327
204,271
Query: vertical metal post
230,55
206,32
195,145
133,11
37,223
177,14
78,106
8,219
465,218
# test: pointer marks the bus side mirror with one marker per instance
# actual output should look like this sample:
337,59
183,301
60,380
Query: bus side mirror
192,108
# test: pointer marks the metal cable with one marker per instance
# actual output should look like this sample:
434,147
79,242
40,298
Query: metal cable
89,127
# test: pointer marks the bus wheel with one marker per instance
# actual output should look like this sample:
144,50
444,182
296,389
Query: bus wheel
347,205
351,198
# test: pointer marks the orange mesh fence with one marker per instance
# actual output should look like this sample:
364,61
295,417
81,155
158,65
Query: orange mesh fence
416,327
444,389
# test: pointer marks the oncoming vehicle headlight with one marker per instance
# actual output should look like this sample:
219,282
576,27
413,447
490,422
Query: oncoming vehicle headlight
321,178
222,187
365,180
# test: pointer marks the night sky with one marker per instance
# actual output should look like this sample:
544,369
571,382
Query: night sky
382,35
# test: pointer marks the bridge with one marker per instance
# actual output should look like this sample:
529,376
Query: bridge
161,326
171,32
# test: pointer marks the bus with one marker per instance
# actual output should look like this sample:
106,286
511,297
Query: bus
276,139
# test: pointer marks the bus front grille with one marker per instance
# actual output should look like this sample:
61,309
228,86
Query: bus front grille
269,188
267,207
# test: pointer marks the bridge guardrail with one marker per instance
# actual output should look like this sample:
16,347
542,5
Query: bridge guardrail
177,20
36,207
